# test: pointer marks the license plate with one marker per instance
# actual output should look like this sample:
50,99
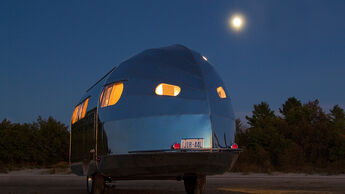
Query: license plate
193,143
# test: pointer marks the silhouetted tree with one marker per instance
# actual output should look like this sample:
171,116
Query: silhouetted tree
337,118
264,141
43,142
302,139
240,136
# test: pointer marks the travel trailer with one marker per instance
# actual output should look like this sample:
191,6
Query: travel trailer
163,114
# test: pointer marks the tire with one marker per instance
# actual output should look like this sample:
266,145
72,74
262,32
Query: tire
95,184
195,184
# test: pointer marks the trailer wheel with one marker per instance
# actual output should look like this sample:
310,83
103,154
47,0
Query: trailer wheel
195,184
95,184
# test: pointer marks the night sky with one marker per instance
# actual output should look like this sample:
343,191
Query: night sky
52,51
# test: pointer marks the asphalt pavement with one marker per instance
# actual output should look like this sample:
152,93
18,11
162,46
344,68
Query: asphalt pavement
228,183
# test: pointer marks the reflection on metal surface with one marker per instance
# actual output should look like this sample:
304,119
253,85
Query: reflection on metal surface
159,132
143,119
82,138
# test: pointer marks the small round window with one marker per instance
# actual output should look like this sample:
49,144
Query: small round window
221,92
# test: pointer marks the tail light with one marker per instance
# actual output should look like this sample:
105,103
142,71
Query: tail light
176,146
234,146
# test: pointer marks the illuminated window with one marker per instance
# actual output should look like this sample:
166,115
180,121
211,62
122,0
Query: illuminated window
84,107
221,92
167,90
80,111
74,118
100,99
111,94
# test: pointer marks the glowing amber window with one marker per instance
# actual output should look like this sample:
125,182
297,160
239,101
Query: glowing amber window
167,90
74,118
111,94
80,111
221,92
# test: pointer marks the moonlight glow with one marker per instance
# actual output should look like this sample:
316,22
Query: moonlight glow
236,22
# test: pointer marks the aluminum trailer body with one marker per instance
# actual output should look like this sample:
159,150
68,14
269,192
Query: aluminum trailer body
162,114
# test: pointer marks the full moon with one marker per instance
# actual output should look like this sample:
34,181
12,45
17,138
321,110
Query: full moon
236,22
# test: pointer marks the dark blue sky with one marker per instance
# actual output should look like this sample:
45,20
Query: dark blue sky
51,52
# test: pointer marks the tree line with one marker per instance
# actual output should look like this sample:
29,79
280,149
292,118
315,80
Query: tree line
300,138
38,144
